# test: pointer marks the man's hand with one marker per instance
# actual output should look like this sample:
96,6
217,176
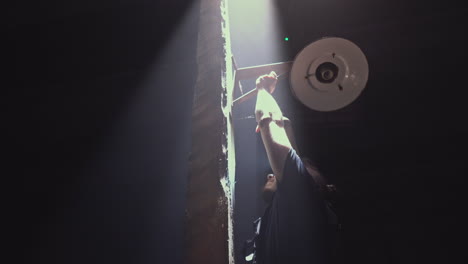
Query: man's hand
267,81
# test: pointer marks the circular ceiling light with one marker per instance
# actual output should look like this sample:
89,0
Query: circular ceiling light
329,74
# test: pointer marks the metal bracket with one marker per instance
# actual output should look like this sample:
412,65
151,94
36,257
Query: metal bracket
251,72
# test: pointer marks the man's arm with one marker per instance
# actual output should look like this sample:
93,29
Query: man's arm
271,125
290,133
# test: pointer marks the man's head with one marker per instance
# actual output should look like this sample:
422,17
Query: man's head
270,188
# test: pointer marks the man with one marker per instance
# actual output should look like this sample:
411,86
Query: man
297,226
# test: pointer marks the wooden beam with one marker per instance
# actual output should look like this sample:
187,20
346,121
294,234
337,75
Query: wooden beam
209,232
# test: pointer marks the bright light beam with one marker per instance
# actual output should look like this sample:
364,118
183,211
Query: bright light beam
255,32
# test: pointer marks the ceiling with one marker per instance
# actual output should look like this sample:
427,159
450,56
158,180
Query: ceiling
394,149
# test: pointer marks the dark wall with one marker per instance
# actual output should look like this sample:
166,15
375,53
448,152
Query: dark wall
99,97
